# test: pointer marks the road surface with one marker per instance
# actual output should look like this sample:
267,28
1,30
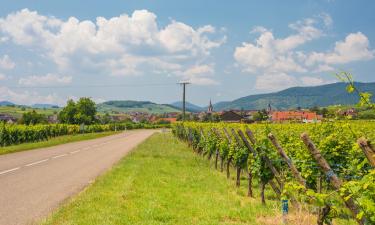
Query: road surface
33,183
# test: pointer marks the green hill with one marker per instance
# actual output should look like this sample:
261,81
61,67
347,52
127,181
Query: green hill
135,106
189,107
305,97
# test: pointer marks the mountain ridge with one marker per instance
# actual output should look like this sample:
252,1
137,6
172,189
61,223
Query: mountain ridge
304,97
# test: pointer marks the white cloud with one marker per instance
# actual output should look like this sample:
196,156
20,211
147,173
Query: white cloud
313,81
2,76
275,82
6,63
124,45
269,57
200,75
46,80
28,97
355,47
270,54
327,19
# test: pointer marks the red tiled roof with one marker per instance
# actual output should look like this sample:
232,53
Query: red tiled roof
294,115
172,120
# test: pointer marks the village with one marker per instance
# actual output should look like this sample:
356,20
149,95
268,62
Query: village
209,115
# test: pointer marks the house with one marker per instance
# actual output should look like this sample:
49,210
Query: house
300,116
348,112
7,118
230,116
52,118
171,120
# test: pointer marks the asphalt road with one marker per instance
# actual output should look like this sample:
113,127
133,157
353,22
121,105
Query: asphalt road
33,183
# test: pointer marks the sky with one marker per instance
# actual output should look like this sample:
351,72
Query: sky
52,51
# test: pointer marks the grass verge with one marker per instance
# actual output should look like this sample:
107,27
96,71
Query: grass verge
53,141
163,182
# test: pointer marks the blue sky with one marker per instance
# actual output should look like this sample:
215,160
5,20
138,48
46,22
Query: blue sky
51,51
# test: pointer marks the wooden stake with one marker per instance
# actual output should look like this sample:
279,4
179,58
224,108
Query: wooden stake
368,150
283,155
335,181
275,188
251,136
230,158
265,158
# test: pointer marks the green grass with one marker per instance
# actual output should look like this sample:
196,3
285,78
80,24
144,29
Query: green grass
52,142
163,182
17,111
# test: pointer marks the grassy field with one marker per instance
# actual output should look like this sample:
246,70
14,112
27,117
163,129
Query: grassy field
53,141
163,182
18,111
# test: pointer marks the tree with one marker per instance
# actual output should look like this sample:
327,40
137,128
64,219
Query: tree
260,115
32,118
86,111
82,112
68,112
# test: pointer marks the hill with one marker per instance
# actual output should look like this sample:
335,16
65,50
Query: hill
135,106
44,106
305,97
189,107
6,103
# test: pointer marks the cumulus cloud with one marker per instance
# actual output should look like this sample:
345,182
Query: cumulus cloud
313,81
273,60
122,45
275,82
46,80
199,74
29,97
355,47
6,63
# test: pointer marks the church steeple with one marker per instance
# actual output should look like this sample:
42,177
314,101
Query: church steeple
210,108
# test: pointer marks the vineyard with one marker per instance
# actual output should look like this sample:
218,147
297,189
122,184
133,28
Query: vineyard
17,134
326,168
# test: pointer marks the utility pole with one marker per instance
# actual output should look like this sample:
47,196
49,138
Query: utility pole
184,83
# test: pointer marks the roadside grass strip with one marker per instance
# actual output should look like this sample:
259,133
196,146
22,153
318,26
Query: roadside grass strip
163,182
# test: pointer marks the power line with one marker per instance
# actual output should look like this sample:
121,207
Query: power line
93,86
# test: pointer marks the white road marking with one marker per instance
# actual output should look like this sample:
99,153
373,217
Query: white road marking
37,162
10,170
58,156
73,152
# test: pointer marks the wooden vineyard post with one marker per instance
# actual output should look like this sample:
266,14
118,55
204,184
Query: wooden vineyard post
229,158
275,188
238,169
204,139
335,181
283,155
368,150
249,169
221,158
251,136
217,150
265,158
190,139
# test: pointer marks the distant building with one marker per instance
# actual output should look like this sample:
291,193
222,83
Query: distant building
230,116
52,118
348,112
7,118
210,108
171,120
300,116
